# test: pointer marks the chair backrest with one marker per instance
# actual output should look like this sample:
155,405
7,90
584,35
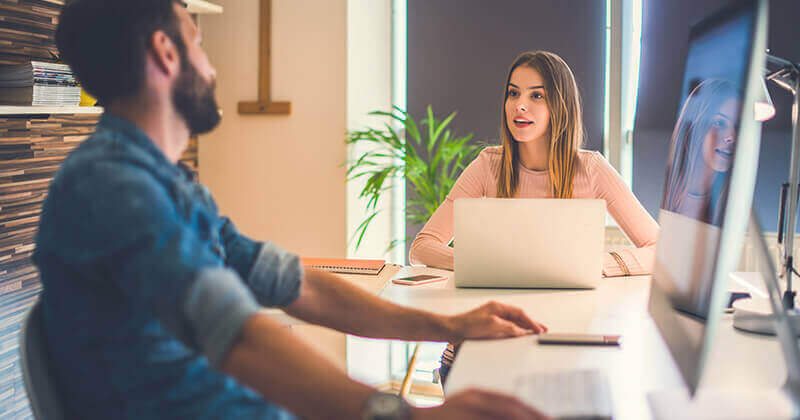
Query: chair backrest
42,393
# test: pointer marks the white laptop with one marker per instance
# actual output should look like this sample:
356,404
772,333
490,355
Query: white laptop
529,243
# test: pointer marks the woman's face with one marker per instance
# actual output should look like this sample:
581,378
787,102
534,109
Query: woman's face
527,115
719,142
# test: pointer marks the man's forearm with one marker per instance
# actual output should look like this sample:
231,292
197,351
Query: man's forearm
331,301
271,360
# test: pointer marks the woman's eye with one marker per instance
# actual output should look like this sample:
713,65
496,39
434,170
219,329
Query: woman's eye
719,124
513,93
537,95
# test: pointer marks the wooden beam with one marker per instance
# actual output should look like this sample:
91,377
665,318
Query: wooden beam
265,108
265,51
264,105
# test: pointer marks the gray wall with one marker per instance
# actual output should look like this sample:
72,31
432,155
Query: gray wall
459,52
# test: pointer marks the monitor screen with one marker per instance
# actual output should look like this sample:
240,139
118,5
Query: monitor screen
710,177
702,143
702,148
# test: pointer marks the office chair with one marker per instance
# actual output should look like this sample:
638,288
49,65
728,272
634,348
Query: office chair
41,389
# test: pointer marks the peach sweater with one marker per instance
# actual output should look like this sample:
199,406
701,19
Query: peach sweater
594,178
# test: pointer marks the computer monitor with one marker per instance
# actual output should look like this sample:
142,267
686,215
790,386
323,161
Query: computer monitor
710,178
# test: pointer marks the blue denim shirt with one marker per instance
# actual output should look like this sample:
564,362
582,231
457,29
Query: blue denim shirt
146,287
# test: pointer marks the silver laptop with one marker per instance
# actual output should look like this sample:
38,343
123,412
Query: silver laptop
529,243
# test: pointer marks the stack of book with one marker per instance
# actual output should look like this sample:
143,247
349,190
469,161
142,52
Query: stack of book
40,84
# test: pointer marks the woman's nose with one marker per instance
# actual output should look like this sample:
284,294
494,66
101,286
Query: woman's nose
522,107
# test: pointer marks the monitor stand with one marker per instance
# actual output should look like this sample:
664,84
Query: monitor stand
716,404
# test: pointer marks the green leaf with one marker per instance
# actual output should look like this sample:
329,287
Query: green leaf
412,129
362,228
436,130
392,138
395,152
392,246
431,123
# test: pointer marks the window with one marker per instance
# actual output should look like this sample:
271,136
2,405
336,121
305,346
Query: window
623,53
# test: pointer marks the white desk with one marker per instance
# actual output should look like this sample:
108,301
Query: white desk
619,306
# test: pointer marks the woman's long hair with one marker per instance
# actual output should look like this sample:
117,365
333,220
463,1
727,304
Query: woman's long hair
685,159
566,125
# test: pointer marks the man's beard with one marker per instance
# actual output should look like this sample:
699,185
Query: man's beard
194,100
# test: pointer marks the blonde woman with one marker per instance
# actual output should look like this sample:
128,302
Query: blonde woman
540,157
542,130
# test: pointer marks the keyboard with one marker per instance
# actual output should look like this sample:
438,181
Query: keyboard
573,394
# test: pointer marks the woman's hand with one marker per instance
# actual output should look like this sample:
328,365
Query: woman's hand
493,320
479,405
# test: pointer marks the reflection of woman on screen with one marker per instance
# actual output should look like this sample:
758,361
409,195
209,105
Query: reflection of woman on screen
702,152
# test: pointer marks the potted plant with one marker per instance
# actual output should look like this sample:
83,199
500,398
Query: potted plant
427,154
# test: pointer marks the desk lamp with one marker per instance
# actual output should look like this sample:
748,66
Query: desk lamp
787,76
750,315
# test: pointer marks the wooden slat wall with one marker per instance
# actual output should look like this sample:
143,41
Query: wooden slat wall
27,30
31,150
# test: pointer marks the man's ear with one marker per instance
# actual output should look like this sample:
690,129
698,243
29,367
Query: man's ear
165,53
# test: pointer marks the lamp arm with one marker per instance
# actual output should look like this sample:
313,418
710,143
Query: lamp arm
794,166
782,63
784,74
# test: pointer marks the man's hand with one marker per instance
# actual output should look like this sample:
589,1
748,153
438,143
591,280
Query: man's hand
493,320
324,295
479,405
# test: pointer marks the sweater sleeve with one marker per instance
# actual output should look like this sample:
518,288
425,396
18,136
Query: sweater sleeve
430,247
631,216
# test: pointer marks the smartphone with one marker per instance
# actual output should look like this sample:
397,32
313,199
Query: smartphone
581,339
418,279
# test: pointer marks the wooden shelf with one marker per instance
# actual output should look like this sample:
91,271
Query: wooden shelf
41,110
202,7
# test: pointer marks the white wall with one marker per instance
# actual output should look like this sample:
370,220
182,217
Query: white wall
369,88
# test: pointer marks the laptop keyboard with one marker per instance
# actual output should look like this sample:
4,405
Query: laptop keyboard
573,395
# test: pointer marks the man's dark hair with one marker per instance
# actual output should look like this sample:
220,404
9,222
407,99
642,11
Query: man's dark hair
106,42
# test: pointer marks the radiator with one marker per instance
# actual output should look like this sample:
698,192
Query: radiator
616,239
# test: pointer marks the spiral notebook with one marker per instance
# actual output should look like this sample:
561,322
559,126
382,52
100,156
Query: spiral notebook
344,265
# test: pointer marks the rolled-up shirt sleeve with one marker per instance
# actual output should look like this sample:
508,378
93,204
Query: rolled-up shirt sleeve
273,274
133,232
216,306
